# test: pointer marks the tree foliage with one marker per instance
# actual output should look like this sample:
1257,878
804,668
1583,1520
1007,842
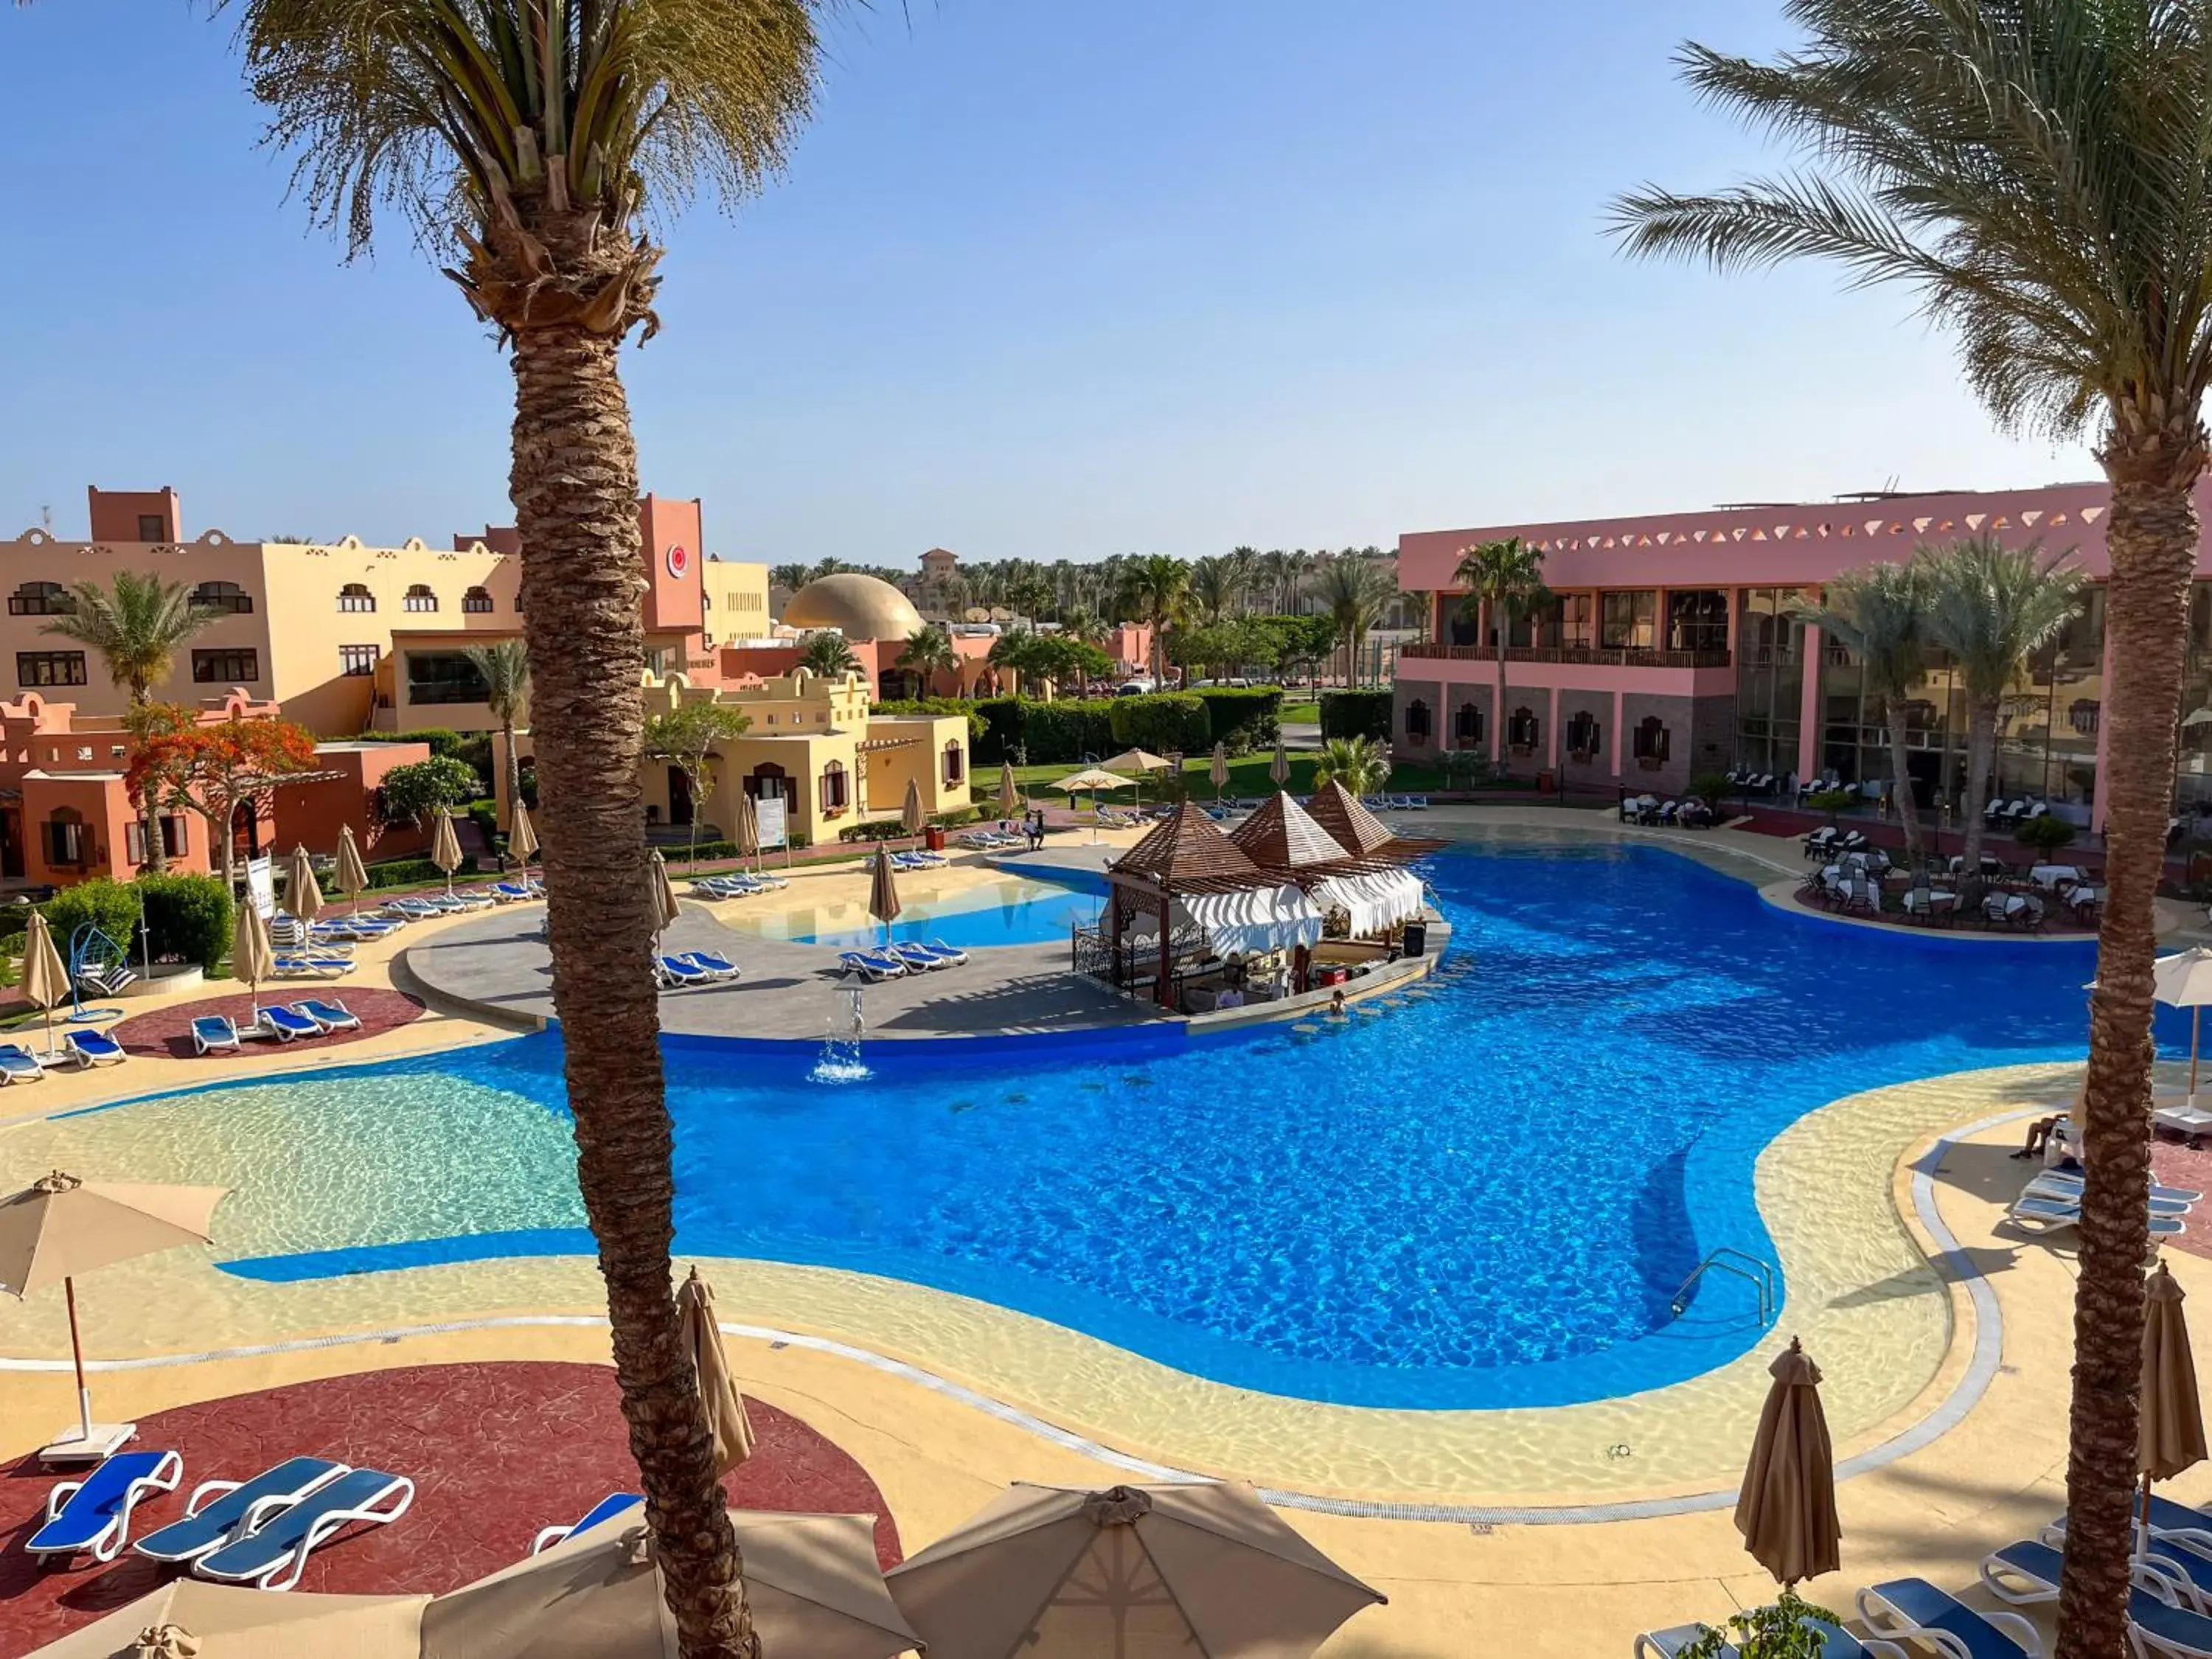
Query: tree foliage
1360,764
214,768
417,793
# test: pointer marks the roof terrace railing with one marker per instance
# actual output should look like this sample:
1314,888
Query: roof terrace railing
1575,655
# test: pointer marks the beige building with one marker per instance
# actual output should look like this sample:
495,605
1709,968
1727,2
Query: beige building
735,595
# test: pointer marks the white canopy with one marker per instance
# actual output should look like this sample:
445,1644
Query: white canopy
1374,899
1247,923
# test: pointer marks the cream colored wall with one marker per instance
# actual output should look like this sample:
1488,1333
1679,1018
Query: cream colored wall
737,599
889,769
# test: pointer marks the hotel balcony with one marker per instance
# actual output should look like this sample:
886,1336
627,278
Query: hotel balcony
1575,667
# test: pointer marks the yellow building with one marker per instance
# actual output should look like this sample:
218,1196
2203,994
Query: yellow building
735,595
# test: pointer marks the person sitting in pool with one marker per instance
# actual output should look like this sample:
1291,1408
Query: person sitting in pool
1336,1005
1231,997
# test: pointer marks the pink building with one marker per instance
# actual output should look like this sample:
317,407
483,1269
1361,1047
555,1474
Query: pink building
1671,648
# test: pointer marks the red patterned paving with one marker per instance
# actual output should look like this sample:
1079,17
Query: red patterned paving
496,1451
2173,1165
167,1032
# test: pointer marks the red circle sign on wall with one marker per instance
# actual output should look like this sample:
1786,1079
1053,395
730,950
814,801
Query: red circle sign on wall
679,560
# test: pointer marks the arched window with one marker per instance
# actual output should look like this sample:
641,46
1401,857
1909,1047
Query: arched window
1650,739
955,764
1521,729
42,599
419,597
1417,722
477,602
834,788
767,780
1467,725
227,597
355,596
1582,734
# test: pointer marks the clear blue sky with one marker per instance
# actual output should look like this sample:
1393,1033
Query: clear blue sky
1045,279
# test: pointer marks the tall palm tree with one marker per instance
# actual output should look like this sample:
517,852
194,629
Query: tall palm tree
830,655
1992,607
1355,592
137,623
1879,614
929,653
1080,623
2035,170
1507,578
1216,586
789,577
1244,566
505,667
1157,590
1360,764
533,137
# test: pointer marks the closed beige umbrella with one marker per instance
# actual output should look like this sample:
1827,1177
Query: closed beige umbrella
1010,793
664,909
250,958
60,1227
1786,1510
303,894
1138,1572
2170,1435
45,982
882,892
746,830
1217,773
718,1390
446,846
522,839
352,878
191,1617
811,1580
1279,769
912,818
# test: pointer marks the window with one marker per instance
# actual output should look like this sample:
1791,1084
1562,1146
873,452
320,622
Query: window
152,528
173,839
833,787
419,597
358,659
226,667
50,668
443,677
67,845
226,596
1627,619
1697,620
477,602
1521,729
1417,722
1467,725
42,599
1651,739
955,764
354,596
1577,620
2083,715
1582,734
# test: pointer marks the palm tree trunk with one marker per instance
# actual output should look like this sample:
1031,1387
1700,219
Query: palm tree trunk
1498,714
574,485
150,813
2153,537
1981,743
514,771
1901,782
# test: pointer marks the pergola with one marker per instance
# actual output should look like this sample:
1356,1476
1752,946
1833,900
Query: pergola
1358,831
1187,865
1371,887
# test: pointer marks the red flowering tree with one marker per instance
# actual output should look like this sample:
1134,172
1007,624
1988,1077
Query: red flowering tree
215,768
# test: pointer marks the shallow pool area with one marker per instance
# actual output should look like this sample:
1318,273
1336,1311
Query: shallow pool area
1486,1193
1003,909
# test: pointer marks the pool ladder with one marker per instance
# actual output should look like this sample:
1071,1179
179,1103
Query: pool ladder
1743,1265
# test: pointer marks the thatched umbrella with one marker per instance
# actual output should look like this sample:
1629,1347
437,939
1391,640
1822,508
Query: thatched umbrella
664,907
352,878
1218,771
231,1621
250,958
446,846
912,818
2170,1435
45,982
883,890
718,1390
303,894
522,839
1786,1510
745,831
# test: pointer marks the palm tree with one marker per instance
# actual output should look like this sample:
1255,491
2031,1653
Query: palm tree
1354,592
137,624
1879,614
1244,566
1215,588
1078,623
505,667
535,138
789,577
830,655
1360,764
2034,171
826,568
1508,578
1156,589
929,653
1992,607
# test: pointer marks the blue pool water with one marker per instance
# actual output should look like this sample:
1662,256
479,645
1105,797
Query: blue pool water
1485,1197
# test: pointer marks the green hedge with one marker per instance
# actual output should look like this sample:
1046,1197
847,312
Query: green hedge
189,917
1244,718
444,743
112,906
1167,724
1062,733
485,816
1356,715
406,872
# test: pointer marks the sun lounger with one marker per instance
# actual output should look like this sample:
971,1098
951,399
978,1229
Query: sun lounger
93,1048
2167,1620
605,1509
273,1555
919,958
719,967
2045,1215
1838,1643
1913,1607
510,892
2068,1183
284,1025
952,953
313,967
2048,1206
331,1016
871,964
2189,1120
18,1065
212,1033
92,1517
219,1510
674,971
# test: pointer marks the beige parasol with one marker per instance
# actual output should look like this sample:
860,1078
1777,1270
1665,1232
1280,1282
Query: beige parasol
59,1227
747,827
1010,793
1279,769
812,1582
718,1390
45,982
1218,772
352,878
912,818
1139,760
303,894
883,890
1131,1573
250,958
191,1617
1786,1510
446,846
521,838
664,908
2171,1437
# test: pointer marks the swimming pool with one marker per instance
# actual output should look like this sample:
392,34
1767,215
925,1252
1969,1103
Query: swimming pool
1485,1196
1005,910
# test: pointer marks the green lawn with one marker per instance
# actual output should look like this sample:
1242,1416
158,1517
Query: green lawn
1248,777
1299,713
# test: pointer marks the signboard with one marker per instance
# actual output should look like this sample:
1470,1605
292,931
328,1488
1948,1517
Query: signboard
768,815
680,560
261,885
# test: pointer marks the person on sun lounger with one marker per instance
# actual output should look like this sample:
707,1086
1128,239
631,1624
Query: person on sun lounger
2039,1136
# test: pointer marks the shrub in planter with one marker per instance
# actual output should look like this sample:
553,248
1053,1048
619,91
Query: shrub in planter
2045,833
187,917
1710,787
1356,715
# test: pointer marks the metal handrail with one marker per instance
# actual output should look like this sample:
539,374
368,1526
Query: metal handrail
1743,1265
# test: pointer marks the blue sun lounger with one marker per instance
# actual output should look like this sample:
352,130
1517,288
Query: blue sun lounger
219,1510
273,1555
952,953
2066,1183
212,1033
92,1517
872,965
331,1016
93,1048
18,1065
720,967
672,971
1839,1643
284,1024
2026,1573
919,958
606,1508
1906,1608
